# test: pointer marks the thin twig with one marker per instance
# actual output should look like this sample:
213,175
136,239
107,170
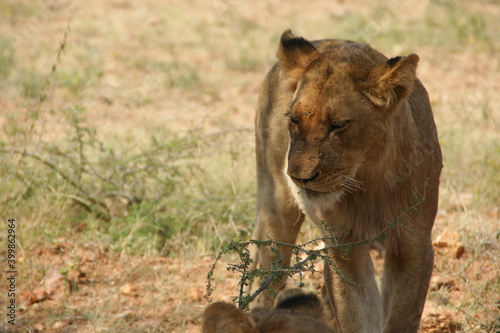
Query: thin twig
103,211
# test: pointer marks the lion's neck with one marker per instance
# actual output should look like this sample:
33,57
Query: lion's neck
397,156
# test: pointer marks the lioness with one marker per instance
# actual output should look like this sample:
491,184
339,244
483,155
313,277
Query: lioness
347,137
294,312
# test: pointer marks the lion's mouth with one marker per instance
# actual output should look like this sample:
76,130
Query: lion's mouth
303,183
329,184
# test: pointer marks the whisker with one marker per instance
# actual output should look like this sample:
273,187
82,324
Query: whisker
352,184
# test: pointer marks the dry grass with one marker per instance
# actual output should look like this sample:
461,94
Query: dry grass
178,80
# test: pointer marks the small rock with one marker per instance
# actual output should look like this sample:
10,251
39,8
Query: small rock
39,327
76,276
55,287
33,296
127,315
449,241
57,248
447,238
60,324
459,251
129,290
443,322
196,294
56,284
439,282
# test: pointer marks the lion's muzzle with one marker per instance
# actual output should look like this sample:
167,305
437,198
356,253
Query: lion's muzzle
303,167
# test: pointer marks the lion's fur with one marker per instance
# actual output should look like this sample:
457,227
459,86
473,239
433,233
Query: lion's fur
347,137
223,317
294,312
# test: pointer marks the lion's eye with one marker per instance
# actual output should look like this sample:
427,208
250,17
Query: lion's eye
294,120
337,126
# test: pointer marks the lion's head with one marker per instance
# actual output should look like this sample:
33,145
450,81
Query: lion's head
294,312
223,317
342,98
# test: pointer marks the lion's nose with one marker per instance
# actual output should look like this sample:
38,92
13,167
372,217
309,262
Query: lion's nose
303,166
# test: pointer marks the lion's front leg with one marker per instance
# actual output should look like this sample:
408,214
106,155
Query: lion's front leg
352,291
280,230
407,273
278,219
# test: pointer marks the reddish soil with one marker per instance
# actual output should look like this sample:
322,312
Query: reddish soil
95,287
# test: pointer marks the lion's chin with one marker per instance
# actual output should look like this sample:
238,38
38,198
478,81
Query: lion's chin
319,195
324,199
312,191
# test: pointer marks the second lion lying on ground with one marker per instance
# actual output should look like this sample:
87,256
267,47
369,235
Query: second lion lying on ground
295,312
346,137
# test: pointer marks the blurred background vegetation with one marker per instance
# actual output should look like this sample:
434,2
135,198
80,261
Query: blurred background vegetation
65,71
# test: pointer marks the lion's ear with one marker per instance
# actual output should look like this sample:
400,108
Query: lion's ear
392,81
295,55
